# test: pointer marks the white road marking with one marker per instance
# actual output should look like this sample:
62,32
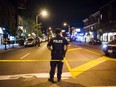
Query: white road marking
65,75
25,56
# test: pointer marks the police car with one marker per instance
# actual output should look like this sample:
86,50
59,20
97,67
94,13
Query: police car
110,48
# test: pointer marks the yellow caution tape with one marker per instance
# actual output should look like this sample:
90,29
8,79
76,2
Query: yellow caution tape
50,60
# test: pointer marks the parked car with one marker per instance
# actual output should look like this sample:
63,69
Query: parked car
110,48
94,41
30,42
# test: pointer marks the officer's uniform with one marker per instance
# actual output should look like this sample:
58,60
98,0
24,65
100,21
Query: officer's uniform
57,53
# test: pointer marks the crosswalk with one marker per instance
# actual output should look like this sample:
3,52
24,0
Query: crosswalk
65,75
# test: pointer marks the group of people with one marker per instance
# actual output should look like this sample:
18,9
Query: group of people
58,46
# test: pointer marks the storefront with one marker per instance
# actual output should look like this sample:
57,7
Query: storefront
107,37
88,36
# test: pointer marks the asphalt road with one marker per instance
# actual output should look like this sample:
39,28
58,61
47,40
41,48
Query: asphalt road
84,65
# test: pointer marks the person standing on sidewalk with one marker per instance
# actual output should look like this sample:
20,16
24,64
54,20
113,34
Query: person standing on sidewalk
58,47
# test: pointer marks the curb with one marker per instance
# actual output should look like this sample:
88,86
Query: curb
9,49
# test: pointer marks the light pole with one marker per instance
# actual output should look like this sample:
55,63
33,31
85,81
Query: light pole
65,24
69,30
43,13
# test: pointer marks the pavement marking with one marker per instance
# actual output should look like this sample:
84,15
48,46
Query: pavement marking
92,52
25,56
80,69
83,49
74,49
75,71
65,75
67,64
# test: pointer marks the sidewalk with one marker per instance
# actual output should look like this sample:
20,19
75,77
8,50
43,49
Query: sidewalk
8,47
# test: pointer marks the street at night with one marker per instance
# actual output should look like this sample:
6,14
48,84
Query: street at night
84,65
57,43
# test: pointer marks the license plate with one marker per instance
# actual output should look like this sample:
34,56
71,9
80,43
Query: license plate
110,51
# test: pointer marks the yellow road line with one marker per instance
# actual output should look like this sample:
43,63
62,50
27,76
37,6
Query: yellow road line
83,49
67,64
80,69
76,71
74,49
92,52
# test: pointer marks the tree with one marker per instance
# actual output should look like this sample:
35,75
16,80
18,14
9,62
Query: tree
38,28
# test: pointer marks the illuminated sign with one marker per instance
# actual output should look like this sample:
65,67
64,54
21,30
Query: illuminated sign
63,30
1,31
78,30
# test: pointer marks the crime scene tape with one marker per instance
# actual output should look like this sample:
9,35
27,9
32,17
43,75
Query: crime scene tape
49,60
38,60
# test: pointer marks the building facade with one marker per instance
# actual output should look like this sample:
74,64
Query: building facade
101,24
108,20
91,26
7,19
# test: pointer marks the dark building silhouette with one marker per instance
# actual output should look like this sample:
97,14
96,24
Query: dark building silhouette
108,20
8,20
102,24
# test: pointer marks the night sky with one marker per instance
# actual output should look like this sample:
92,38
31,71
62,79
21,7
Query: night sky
71,11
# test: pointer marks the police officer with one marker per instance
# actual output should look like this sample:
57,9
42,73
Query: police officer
58,47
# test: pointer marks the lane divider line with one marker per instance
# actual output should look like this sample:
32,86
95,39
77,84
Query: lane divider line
80,69
25,56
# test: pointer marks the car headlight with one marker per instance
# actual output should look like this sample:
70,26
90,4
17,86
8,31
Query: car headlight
105,46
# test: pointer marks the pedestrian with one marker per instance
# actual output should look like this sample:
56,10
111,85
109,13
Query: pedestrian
58,46
37,42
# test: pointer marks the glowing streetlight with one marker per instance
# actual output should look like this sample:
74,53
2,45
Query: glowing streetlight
43,13
65,24
50,28
69,32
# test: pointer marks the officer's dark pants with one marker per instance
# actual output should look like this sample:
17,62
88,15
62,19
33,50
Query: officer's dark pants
59,66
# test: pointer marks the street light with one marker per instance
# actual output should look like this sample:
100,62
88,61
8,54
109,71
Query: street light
69,32
65,24
50,28
43,13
